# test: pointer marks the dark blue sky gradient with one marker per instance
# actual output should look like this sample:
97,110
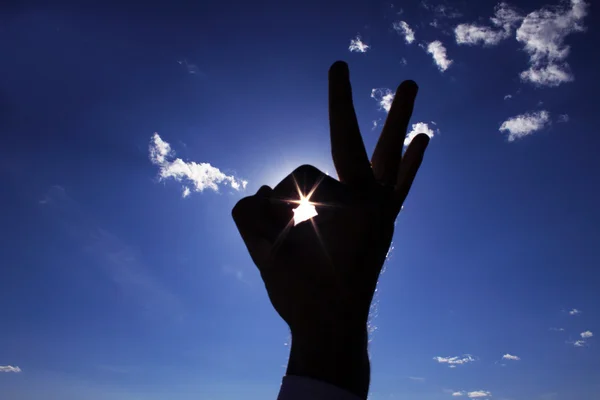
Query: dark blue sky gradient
113,286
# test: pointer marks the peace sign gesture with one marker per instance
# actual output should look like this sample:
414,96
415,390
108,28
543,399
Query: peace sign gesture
321,274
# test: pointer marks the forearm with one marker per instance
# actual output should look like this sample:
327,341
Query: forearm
335,356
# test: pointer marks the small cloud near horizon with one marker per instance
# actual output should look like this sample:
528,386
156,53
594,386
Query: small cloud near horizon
10,368
454,361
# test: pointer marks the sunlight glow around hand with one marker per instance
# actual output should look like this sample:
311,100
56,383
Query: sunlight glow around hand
305,210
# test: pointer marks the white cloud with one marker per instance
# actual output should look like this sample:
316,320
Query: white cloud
511,357
563,118
186,192
557,329
9,368
416,379
543,33
478,394
505,18
200,176
508,96
575,312
586,334
159,150
549,75
419,127
358,46
403,61
402,28
525,124
474,34
438,51
579,343
453,361
384,97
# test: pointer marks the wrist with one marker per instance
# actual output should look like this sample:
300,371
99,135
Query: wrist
337,356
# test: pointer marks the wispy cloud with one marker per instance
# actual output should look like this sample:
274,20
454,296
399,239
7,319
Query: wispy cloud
579,343
525,124
563,118
191,68
404,29
199,176
236,272
439,54
403,61
375,123
586,334
442,10
9,368
511,357
543,34
477,394
121,264
504,20
417,379
508,96
453,361
358,46
384,97
575,312
557,329
419,127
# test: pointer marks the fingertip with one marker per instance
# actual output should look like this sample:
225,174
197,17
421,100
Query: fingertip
423,139
419,143
339,68
264,191
408,86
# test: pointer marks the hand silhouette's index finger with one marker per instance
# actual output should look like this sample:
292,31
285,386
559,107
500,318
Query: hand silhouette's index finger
347,148
388,152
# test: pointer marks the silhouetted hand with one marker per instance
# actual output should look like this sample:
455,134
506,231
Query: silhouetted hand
321,274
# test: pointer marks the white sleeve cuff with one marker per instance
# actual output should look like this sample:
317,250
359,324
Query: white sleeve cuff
302,388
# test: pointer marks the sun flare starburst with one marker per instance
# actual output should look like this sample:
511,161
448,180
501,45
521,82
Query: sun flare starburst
305,210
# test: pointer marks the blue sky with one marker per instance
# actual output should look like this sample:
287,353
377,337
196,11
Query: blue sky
115,285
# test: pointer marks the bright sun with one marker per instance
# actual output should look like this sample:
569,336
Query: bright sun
305,210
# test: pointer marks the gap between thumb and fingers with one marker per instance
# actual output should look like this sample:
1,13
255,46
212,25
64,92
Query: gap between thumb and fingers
411,161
